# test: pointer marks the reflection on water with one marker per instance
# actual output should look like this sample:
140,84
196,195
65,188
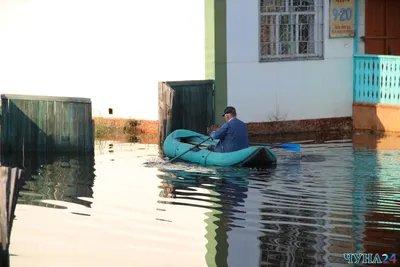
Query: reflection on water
307,211
377,200
55,177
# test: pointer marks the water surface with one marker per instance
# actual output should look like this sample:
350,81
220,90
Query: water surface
130,208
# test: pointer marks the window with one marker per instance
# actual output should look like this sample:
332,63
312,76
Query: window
291,29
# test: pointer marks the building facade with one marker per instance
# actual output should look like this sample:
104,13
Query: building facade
295,60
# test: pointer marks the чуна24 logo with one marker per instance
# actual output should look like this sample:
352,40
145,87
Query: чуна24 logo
370,258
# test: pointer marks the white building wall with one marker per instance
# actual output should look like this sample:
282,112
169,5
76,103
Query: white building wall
114,51
294,90
361,26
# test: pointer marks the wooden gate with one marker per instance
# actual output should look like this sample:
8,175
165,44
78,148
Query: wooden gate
185,105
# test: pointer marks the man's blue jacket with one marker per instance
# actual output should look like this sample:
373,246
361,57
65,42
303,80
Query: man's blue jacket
232,136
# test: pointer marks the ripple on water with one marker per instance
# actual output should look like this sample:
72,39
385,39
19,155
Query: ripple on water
307,211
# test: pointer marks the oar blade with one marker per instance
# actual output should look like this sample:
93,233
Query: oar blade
291,147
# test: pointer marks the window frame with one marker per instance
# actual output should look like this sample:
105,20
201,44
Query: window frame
319,33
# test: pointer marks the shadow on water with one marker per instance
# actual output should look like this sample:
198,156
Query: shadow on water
311,209
63,177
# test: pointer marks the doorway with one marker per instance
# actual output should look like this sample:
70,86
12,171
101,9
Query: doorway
382,27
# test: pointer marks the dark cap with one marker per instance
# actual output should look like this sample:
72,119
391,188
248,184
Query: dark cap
228,110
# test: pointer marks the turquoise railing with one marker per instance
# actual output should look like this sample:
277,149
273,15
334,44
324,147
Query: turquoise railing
377,79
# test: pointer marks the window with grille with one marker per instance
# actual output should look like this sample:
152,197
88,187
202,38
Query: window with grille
291,29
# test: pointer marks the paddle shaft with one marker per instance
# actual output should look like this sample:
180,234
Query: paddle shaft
289,146
258,144
261,144
190,149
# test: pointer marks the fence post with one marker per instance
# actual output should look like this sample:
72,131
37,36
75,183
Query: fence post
9,186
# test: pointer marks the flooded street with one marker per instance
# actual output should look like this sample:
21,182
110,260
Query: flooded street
131,208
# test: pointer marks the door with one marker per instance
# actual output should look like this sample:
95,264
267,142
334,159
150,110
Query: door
382,27
393,27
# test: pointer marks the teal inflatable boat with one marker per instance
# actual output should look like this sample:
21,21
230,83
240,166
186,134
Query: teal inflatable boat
180,141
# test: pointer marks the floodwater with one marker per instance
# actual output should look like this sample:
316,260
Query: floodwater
130,208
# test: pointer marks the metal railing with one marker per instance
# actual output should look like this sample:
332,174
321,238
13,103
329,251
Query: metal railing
376,79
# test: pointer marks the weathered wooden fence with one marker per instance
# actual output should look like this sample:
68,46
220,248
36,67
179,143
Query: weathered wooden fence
9,185
45,123
185,105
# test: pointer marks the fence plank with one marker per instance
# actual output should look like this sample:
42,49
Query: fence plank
9,184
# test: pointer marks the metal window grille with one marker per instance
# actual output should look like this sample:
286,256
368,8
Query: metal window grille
291,29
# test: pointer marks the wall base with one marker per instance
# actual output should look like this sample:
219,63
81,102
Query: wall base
342,124
376,117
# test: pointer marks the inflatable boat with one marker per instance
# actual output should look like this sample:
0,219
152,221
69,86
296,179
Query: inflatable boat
180,141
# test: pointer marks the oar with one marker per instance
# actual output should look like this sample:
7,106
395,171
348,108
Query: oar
190,149
291,147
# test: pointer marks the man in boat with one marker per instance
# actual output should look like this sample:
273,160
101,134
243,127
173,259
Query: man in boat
232,135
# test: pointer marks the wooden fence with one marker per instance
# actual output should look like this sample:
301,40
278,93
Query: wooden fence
185,105
45,123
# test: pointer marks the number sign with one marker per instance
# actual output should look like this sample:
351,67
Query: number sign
341,18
